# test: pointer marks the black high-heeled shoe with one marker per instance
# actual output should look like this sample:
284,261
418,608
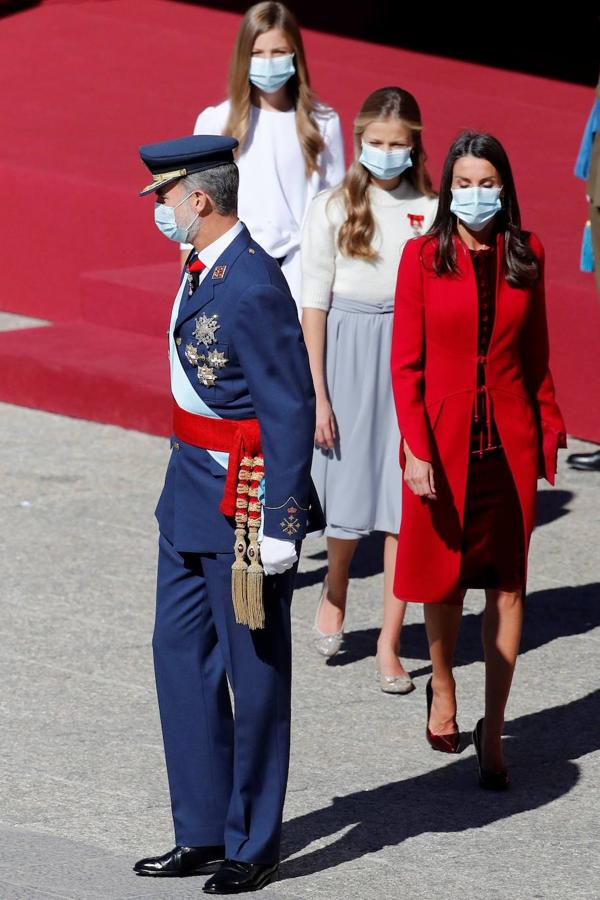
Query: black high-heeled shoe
445,743
491,781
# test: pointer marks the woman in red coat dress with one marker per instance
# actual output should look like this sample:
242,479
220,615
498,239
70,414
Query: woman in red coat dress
479,422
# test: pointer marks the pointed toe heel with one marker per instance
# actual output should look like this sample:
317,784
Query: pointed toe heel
444,743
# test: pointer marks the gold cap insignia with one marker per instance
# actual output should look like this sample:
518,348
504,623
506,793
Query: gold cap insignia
158,180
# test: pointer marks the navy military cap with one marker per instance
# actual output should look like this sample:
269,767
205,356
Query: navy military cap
170,160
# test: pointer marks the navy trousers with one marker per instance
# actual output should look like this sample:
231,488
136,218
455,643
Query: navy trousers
227,769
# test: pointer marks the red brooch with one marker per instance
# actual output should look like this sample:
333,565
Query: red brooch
416,221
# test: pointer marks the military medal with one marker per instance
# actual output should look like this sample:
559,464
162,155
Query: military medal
204,332
192,355
207,376
216,359
205,329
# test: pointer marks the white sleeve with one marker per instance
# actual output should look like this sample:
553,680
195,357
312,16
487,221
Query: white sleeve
318,251
333,166
206,123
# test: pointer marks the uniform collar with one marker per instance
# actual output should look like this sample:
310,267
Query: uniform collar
210,254
230,246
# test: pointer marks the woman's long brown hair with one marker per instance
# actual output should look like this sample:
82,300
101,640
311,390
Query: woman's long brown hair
355,236
260,18
521,264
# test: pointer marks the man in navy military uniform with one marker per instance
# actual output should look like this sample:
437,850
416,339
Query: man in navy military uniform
243,407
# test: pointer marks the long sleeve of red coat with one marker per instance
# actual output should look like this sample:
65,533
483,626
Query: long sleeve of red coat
534,352
407,359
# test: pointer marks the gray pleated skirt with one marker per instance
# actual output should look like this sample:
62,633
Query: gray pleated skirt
359,482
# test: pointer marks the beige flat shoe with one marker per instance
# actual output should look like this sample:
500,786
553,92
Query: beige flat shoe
326,643
394,684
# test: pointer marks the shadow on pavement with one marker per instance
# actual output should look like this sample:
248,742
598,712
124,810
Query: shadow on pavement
539,752
550,614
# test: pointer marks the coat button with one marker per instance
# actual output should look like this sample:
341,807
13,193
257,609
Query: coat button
251,251
178,341
175,445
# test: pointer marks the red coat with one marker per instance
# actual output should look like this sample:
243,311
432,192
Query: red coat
434,376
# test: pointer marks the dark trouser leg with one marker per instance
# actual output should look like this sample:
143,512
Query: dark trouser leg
194,701
259,670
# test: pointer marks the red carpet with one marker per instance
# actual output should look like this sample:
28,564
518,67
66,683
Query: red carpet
85,83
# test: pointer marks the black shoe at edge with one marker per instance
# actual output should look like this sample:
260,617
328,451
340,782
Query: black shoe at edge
181,862
236,877
586,462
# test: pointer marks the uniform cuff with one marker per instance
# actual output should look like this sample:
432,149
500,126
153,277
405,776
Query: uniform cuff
286,522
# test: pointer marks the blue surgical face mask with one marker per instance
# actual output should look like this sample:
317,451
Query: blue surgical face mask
475,206
270,74
164,218
385,164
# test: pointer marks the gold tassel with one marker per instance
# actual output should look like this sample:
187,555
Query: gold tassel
239,578
254,588
239,569
254,593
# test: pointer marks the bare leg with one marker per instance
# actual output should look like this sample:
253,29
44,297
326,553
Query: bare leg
388,644
501,635
333,607
442,623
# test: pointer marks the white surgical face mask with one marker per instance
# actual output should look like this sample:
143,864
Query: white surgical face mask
475,206
271,74
166,222
385,164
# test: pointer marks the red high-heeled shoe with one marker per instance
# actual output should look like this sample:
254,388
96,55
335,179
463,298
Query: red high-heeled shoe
445,743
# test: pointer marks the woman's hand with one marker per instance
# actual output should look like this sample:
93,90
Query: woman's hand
325,431
418,474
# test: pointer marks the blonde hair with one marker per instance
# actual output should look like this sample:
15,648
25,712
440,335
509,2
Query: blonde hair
355,237
260,18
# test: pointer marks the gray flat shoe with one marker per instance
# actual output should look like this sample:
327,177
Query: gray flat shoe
326,644
394,684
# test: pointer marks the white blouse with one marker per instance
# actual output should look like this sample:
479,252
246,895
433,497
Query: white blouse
275,191
399,215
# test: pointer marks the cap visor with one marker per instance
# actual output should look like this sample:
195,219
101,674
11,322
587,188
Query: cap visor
158,185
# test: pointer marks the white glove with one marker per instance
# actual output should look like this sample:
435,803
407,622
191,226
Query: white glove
277,556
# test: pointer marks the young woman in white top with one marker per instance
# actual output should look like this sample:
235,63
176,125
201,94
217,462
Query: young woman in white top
351,245
290,145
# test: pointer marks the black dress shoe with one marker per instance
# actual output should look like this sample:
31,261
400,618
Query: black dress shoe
492,781
238,877
182,861
590,462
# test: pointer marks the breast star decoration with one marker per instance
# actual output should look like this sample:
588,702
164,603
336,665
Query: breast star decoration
205,329
204,332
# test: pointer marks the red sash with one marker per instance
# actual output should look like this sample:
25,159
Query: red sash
238,437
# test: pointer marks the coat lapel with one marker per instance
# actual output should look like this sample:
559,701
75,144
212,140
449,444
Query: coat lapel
217,275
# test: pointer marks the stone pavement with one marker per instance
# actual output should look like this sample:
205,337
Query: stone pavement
371,812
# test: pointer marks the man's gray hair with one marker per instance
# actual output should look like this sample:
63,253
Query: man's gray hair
221,185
